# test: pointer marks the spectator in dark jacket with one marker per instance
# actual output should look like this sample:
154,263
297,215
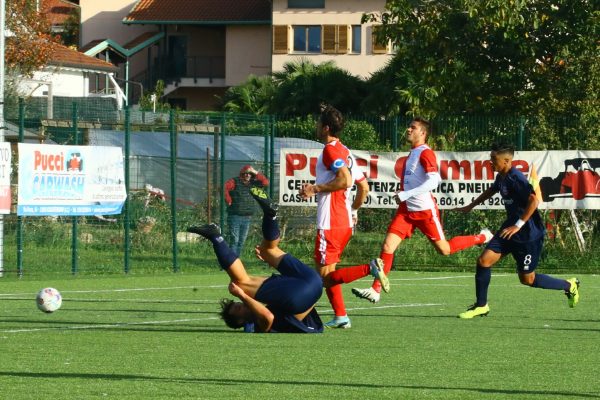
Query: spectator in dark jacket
240,205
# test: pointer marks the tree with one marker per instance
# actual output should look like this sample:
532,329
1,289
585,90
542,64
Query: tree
254,96
303,86
489,56
30,44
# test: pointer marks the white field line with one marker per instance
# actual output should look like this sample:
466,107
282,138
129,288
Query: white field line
225,286
124,290
106,326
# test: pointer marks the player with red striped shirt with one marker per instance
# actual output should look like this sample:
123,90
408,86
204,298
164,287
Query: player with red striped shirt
336,171
417,207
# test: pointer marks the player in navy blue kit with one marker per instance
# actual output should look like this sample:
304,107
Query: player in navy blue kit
521,234
283,302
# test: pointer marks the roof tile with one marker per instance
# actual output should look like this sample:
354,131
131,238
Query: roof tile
200,11
67,57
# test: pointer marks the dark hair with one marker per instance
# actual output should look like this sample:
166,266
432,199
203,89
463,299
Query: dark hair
503,148
425,124
333,118
231,321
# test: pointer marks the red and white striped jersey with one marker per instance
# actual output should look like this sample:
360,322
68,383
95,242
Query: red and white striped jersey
421,161
334,208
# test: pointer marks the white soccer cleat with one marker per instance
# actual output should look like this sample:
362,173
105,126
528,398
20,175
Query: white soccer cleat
367,294
488,235
376,266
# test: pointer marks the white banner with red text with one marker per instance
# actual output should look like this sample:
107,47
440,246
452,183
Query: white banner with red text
70,180
562,179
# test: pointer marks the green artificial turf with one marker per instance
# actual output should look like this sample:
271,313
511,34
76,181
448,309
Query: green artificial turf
158,337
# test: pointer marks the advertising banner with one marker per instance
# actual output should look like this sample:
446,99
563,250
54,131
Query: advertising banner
70,180
562,179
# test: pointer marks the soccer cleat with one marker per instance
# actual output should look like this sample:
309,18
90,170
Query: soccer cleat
268,206
573,293
208,230
367,294
488,235
376,266
475,311
338,323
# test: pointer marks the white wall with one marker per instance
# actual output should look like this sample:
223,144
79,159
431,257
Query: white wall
65,82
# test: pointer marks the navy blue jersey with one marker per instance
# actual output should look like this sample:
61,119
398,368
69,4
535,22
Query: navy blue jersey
287,323
515,190
294,290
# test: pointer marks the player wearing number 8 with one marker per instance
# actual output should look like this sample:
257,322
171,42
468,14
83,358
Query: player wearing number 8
521,234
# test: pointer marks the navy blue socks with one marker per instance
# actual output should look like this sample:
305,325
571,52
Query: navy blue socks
483,276
548,282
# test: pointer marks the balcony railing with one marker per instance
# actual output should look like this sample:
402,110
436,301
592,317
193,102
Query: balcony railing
195,67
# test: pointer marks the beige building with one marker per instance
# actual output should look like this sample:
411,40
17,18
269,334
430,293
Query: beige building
199,48
328,30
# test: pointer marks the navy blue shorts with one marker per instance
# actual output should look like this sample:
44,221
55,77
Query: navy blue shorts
297,287
526,254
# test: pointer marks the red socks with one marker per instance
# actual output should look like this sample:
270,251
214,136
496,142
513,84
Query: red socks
459,243
336,299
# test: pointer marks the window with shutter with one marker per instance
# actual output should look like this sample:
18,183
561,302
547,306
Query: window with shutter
280,39
342,47
378,47
329,39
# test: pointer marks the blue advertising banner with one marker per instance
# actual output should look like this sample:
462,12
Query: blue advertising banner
70,180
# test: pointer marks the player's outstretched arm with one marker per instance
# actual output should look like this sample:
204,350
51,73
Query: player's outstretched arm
264,317
489,192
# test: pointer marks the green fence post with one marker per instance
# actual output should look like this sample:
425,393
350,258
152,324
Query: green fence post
222,175
126,217
266,153
74,244
20,218
273,161
173,146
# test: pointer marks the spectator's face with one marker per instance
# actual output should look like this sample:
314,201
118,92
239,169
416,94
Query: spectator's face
246,176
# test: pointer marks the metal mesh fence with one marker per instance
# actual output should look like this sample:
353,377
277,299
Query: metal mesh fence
178,163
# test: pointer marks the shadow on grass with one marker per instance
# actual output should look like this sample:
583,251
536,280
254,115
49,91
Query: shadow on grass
117,377
140,311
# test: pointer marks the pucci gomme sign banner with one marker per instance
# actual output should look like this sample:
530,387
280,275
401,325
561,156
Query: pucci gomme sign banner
70,180
5,170
562,179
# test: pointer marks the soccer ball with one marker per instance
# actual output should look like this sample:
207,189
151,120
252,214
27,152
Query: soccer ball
48,300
